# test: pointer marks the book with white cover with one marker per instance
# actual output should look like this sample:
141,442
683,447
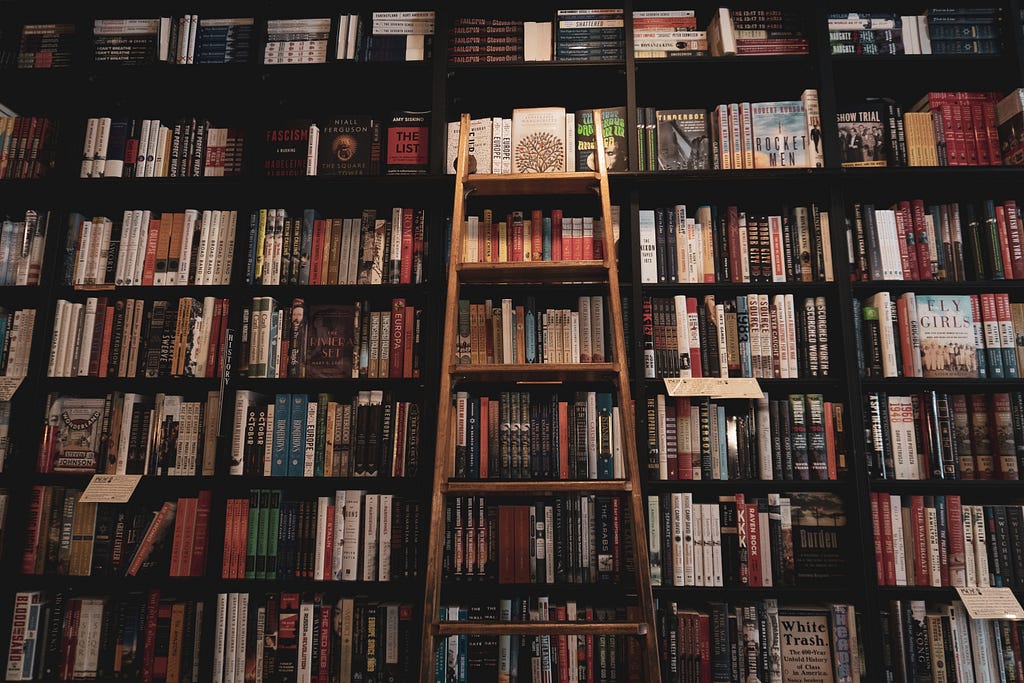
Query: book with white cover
538,140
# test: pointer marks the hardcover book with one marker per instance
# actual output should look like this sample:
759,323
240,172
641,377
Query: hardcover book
780,134
862,136
407,143
329,339
613,120
805,645
285,148
682,139
538,140
946,328
349,146
74,425
819,538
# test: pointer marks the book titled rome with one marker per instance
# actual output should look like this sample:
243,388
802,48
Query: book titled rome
349,145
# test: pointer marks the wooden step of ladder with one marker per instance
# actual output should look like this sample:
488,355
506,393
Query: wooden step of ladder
603,272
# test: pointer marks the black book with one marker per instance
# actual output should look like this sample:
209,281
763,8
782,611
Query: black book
348,146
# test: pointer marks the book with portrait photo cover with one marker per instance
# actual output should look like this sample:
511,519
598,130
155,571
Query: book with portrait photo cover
946,325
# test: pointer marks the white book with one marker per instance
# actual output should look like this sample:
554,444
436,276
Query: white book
597,350
338,540
570,142
211,249
70,335
648,247
309,456
983,652
99,158
140,247
350,550
790,348
923,36
883,303
696,513
241,637
508,342
496,126
549,544
313,150
618,466
716,545
898,547
538,140
960,635
231,649
932,534
384,544
678,533
243,399
89,149
225,248
506,146
183,31
220,637
322,502
537,41
766,549
82,257
777,253
980,546
370,539
185,255
654,552
88,324
970,565
480,140
574,337
88,648
144,137
304,664
723,343
903,437
155,153
205,228
193,30
124,248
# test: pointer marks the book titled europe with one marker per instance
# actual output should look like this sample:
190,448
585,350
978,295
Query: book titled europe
349,145
329,333
946,328
407,143
613,121
538,140
73,432
682,139
780,134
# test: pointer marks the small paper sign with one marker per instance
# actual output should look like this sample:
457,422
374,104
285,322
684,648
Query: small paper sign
111,488
8,385
991,603
714,387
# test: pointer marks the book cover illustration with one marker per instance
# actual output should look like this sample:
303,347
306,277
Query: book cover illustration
946,325
613,121
407,143
538,140
285,148
780,134
819,538
329,339
76,424
862,137
682,139
347,146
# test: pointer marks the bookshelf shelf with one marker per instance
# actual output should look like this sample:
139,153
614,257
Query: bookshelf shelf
553,628
533,486
484,185
734,288
941,384
718,487
938,287
537,272
536,372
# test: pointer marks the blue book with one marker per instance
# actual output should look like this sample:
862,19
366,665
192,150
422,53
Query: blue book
547,239
605,462
305,251
282,420
743,336
297,435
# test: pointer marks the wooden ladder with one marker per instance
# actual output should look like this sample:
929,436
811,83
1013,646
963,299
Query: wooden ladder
603,272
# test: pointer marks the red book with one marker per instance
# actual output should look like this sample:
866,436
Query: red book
324,674
397,341
556,235
753,546
563,440
741,532
329,542
922,576
408,246
149,264
1004,240
521,534
241,535
964,106
888,550
35,511
316,263
876,530
160,526
197,561
214,344
562,645
905,232
904,332
149,644
515,230
182,519
901,241
684,465
408,367
981,132
616,538
108,331
69,640
484,423
227,559
988,112
537,235
1013,231
506,544
924,259
704,625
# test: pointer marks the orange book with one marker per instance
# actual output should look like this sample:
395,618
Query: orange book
174,249
906,346
181,550
152,242
1004,240
830,445
520,333
158,528
537,235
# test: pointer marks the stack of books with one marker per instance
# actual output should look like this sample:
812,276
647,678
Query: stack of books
757,32
473,41
45,45
583,35
297,41
126,41
964,30
399,37
660,34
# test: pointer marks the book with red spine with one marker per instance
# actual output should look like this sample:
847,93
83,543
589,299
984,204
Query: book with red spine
316,264
182,519
924,267
557,252
398,333
754,541
888,552
158,528
201,534
329,542
149,637
408,246
537,235
1004,240
876,530
33,529
515,233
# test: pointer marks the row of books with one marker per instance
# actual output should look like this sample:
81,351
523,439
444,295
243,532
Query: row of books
365,250
405,36
784,134
565,539
941,641
530,236
44,46
296,435
731,245
760,641
184,39
297,41
69,537
303,637
945,436
946,30
22,246
536,658
329,341
148,247
16,328
781,540
132,636
128,433
27,146
757,335
924,335
540,139
137,338
350,536
589,35
512,332
757,32
663,34
149,148
956,242
924,540
797,437
474,40
537,435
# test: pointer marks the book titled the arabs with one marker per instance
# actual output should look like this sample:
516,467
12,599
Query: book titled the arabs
863,135
73,432
682,139
780,134
613,121
946,328
407,143
538,140
285,148
349,145
329,333
819,538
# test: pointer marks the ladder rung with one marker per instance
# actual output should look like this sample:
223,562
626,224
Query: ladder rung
536,372
541,272
531,183
537,487
541,628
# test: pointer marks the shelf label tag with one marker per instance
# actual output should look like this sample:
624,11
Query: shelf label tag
991,603
714,387
110,488
8,385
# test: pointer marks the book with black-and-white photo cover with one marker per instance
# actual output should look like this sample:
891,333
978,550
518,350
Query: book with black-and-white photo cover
538,140
863,138
683,143
946,328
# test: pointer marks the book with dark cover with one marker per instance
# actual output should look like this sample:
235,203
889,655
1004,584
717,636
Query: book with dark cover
407,143
329,331
75,424
285,148
863,138
613,121
819,538
349,146
683,142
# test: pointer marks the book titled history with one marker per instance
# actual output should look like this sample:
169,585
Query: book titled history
780,134
538,140
329,338
73,432
285,148
863,136
946,328
407,143
613,121
682,139
349,145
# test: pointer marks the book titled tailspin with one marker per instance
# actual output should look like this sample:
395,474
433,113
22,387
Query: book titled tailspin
780,134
